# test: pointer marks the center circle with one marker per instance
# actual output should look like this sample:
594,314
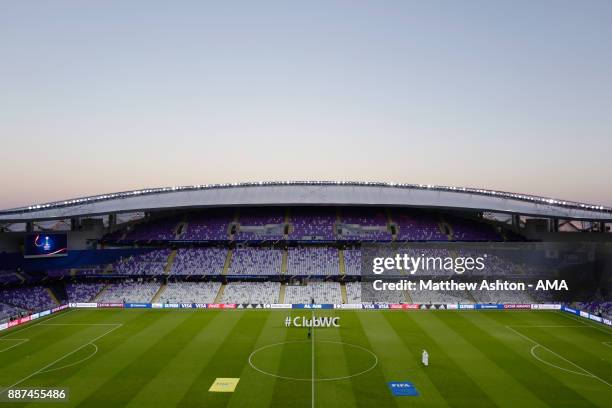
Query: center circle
293,360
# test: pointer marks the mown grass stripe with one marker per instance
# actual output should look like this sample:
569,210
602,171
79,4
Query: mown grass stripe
397,361
298,392
236,349
451,381
182,370
273,332
369,385
519,365
173,330
338,393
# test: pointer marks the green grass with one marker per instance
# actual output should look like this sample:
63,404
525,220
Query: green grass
169,358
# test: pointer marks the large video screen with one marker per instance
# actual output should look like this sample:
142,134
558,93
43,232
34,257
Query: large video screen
40,245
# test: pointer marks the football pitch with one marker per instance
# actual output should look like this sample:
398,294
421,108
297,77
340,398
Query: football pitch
171,358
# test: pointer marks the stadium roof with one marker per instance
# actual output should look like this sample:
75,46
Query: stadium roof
310,193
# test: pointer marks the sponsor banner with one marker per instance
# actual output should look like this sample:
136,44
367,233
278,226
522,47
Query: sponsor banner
368,306
466,307
351,306
13,323
517,306
222,306
228,305
607,321
45,313
3,326
570,310
452,306
157,305
312,306
137,305
596,318
280,306
403,306
488,306
171,305
57,309
35,316
25,319
381,306
82,305
545,306
584,314
107,305
200,305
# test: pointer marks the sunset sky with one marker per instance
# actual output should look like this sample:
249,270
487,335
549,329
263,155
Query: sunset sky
104,96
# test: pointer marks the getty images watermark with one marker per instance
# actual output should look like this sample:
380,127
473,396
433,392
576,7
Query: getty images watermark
303,321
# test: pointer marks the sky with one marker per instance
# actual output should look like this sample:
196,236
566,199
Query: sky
106,96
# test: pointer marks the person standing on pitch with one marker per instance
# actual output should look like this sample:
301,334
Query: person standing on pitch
425,358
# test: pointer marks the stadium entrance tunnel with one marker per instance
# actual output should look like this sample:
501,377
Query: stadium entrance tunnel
294,360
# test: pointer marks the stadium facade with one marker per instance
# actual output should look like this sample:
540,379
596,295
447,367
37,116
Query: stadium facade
266,243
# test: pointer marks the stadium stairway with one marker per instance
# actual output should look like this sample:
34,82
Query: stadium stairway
281,293
53,296
228,262
447,229
159,292
284,262
343,293
390,223
180,230
287,223
341,264
220,293
407,296
96,297
21,277
170,261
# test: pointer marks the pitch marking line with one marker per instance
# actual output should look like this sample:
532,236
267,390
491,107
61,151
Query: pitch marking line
544,326
75,363
20,342
602,329
45,368
346,377
313,362
10,332
588,373
533,353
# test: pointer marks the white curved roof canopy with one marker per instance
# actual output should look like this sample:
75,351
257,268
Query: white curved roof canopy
310,193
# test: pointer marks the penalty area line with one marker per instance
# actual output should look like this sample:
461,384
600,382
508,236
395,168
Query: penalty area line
558,355
45,368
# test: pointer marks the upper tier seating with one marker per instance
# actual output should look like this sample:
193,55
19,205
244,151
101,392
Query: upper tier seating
207,226
199,261
256,261
313,261
312,224
149,263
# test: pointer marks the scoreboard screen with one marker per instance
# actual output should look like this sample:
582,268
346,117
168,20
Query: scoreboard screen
42,245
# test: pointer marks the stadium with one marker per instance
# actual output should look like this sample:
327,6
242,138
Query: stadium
254,294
